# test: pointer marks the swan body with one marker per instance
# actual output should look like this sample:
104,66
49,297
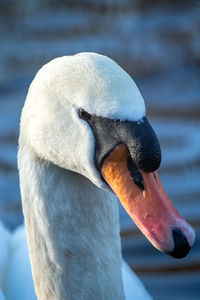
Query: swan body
19,282
81,112
4,258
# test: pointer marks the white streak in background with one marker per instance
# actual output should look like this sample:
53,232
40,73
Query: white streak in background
185,136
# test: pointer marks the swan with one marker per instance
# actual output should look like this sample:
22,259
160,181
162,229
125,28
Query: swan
84,138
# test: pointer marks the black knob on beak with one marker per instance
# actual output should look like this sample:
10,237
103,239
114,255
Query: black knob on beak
143,145
138,136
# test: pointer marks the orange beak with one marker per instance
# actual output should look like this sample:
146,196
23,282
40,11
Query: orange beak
150,208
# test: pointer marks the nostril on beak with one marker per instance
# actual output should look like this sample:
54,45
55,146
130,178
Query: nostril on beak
181,245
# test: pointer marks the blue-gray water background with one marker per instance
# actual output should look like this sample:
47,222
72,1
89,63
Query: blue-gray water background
158,44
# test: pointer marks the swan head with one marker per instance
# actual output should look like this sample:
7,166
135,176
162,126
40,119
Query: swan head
85,114
59,92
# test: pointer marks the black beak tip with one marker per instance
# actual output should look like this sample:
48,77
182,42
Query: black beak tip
181,245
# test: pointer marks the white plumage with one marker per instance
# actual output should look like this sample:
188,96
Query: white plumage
15,272
70,223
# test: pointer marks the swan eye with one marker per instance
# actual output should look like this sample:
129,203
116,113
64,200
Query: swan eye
84,115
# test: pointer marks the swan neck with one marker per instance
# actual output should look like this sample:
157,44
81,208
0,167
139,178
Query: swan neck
72,231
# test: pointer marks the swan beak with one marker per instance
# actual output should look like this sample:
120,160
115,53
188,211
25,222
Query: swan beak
148,205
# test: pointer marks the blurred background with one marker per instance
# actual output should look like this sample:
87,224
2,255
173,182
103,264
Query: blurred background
158,44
